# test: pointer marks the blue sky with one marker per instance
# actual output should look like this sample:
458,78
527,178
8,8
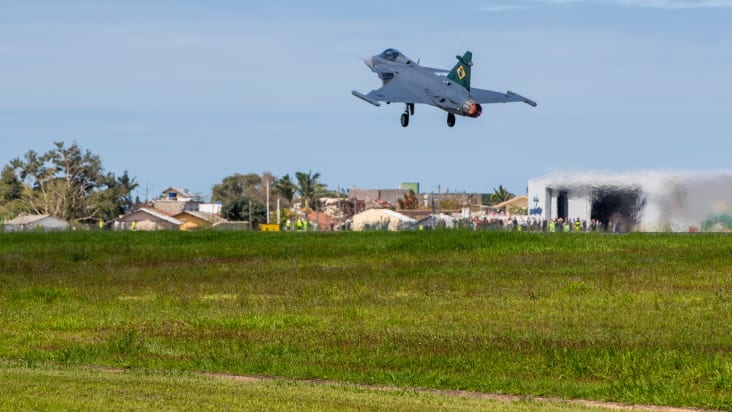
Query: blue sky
184,93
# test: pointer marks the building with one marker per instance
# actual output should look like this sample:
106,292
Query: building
377,198
147,219
211,208
381,219
642,201
413,186
437,220
175,200
516,205
193,220
322,222
35,222
179,195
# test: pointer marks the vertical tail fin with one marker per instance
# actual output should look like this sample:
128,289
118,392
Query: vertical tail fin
460,74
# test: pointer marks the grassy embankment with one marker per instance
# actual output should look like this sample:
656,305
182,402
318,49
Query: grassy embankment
638,318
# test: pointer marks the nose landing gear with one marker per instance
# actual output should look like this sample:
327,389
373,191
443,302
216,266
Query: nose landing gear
450,120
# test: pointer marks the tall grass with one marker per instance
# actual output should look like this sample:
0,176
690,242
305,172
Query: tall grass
640,318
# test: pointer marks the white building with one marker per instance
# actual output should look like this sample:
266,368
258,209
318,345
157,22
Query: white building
643,201
381,219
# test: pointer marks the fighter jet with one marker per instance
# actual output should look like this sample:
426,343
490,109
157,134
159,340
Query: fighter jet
407,82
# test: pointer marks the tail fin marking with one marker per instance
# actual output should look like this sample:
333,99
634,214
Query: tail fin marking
460,74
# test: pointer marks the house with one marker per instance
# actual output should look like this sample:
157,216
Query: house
378,198
178,194
147,219
35,222
194,220
322,222
513,205
381,219
175,200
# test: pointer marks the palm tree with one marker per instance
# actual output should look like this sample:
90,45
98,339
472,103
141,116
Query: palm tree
285,188
308,186
500,195
126,185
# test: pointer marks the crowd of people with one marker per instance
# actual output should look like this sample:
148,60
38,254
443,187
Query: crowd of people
532,224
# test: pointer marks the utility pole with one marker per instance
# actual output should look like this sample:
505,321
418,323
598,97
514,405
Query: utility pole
438,199
267,186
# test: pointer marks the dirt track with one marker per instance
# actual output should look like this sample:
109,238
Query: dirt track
470,394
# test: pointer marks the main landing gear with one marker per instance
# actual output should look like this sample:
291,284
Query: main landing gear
409,110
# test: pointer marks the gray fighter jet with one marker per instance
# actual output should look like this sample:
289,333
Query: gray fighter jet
407,82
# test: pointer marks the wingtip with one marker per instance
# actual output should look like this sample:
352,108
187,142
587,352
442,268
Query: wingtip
523,99
365,98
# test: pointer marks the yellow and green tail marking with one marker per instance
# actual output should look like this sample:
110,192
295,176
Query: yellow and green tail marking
460,74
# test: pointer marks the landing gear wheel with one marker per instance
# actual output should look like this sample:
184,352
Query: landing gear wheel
405,119
450,120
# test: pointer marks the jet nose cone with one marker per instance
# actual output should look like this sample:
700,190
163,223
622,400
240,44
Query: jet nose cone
369,61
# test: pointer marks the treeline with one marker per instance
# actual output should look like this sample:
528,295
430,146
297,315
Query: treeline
70,183
65,182
244,196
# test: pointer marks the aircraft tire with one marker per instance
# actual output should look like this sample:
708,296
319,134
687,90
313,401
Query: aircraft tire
450,120
405,119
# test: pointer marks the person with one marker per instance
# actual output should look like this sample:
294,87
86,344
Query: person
101,224
134,225
288,224
299,224
552,226
577,225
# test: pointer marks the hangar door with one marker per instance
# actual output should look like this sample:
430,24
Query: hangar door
617,208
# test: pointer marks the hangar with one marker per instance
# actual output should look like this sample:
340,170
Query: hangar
640,201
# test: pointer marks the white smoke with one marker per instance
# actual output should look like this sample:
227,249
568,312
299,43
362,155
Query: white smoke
666,201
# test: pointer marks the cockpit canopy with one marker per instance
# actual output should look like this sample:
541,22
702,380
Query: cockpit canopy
390,54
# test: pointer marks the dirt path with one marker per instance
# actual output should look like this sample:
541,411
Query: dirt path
467,394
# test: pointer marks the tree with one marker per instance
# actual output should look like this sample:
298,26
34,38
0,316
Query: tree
410,201
11,191
10,186
500,195
125,186
250,185
285,187
66,182
308,187
59,182
116,197
240,209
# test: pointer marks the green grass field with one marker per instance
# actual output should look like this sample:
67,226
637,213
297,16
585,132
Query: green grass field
640,318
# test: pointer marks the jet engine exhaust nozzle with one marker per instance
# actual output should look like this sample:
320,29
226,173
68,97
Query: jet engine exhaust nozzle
472,109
